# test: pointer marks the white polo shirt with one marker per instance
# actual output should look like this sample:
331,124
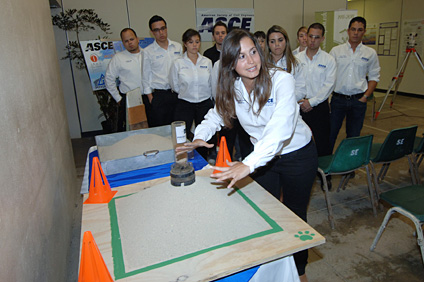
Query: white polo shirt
297,51
126,67
277,130
191,81
320,76
353,67
297,72
156,64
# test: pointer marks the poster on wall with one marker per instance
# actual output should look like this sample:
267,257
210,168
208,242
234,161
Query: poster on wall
233,18
370,36
336,24
388,39
97,55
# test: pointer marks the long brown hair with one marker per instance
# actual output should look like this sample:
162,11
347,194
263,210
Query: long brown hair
291,60
226,94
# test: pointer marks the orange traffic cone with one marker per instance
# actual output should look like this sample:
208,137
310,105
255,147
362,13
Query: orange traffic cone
100,192
92,265
223,155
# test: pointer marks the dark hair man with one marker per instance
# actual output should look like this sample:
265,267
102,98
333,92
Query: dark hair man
219,32
319,70
157,60
355,62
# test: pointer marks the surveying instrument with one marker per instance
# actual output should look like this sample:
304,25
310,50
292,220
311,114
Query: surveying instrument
397,79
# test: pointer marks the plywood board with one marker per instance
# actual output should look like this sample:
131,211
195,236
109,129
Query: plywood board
211,263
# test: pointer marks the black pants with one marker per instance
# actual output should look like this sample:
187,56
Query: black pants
319,121
293,173
186,111
148,108
245,145
162,107
122,114
350,107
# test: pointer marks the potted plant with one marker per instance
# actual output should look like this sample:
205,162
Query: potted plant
78,21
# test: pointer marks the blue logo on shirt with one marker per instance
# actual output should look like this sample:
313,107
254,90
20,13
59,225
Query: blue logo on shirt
159,56
322,66
203,67
270,102
177,53
365,59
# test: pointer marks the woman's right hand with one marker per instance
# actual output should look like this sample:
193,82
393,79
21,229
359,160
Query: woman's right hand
191,146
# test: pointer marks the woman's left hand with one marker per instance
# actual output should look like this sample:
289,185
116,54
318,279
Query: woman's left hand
235,172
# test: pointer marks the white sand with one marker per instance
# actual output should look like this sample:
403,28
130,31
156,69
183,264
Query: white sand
134,145
165,222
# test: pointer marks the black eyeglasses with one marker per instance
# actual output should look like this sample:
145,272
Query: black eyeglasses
159,29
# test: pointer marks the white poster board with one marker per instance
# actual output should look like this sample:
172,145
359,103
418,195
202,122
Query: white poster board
233,18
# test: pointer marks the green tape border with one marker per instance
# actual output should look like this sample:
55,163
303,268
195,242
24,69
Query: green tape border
118,259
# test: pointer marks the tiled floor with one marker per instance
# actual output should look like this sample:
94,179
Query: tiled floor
346,256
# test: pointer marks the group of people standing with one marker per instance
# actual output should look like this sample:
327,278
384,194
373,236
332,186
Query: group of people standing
279,99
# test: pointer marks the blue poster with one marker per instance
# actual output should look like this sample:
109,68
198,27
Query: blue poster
97,55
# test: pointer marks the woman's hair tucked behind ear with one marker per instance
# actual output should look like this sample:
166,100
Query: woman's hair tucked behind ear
226,94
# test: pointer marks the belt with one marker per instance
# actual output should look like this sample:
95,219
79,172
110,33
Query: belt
348,97
162,90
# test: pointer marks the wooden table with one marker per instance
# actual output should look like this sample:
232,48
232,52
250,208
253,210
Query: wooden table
296,235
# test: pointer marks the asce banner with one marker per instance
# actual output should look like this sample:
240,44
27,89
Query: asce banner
233,18
97,55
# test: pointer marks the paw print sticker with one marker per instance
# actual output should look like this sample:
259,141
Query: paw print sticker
305,236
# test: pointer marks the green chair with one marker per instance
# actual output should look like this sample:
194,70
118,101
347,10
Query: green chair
352,153
418,155
408,201
398,144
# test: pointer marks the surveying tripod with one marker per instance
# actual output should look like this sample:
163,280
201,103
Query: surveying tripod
397,79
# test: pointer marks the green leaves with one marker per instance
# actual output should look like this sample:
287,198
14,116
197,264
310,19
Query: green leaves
80,20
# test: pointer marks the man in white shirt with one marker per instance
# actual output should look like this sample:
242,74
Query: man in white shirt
319,70
355,62
125,66
157,60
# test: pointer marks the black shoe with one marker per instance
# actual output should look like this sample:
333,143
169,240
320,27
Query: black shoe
352,175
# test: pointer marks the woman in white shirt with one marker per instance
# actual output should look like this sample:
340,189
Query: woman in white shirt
190,77
262,98
302,39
